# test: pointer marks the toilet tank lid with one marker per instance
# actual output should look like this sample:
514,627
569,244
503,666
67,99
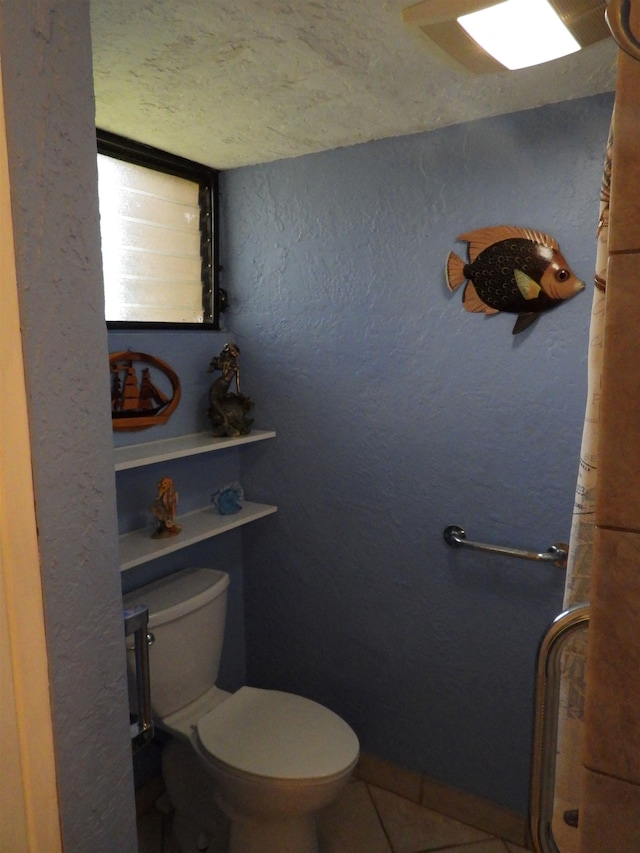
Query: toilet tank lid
175,595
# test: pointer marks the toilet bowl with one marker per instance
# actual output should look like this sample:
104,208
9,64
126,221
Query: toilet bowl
266,759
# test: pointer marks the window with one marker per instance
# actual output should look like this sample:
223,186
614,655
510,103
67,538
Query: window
158,221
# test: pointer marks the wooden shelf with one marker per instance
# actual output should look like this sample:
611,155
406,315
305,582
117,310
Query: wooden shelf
138,547
136,455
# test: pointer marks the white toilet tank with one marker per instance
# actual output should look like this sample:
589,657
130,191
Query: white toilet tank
186,617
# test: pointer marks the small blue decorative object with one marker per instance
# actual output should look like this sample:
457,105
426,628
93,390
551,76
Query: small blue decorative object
227,499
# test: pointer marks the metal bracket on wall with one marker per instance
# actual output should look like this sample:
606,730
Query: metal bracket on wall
556,554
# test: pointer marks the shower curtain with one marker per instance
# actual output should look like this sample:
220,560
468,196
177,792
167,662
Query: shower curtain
580,558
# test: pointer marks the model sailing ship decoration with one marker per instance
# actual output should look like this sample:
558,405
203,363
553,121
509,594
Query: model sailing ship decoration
139,401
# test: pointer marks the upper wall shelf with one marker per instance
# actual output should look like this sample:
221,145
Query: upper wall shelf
136,455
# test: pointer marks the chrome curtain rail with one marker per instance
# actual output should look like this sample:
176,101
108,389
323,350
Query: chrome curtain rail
545,734
618,17
556,554
136,621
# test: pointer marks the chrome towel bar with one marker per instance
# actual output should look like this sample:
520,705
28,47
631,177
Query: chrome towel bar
556,554
136,620
545,733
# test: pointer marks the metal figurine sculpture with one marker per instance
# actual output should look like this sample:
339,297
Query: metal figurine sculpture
228,410
164,508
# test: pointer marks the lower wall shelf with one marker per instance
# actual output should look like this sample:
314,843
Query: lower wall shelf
138,547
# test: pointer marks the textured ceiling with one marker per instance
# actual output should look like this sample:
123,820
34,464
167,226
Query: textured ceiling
237,82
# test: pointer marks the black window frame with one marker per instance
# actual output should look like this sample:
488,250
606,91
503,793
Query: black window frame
122,148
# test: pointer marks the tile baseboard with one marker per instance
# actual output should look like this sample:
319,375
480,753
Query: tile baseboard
451,802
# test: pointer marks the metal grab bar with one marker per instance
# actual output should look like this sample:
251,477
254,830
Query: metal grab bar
136,620
618,18
545,734
556,554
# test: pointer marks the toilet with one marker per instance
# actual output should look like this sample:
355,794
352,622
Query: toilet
246,772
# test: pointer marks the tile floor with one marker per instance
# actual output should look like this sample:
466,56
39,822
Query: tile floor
365,819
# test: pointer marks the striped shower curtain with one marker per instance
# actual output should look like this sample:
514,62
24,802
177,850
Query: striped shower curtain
580,559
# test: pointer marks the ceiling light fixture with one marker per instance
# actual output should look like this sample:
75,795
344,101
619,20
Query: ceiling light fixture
520,33
454,27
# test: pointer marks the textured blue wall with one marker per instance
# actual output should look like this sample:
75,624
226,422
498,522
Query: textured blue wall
49,111
398,413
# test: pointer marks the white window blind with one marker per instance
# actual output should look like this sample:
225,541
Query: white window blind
151,244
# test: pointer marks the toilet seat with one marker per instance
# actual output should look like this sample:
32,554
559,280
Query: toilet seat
278,735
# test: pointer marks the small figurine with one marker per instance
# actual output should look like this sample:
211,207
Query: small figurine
227,500
512,269
164,508
228,411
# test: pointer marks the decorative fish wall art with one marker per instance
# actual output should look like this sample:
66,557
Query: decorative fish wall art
512,269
